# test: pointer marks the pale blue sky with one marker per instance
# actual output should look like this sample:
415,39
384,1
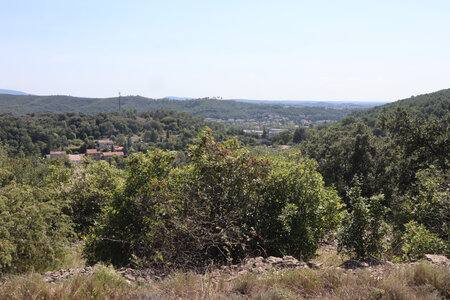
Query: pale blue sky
302,50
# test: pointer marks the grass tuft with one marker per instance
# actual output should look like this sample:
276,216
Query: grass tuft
419,281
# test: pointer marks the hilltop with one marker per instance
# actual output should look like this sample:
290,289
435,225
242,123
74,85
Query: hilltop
435,104
217,110
12,92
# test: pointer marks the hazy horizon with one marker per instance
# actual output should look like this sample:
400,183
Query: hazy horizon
24,93
258,50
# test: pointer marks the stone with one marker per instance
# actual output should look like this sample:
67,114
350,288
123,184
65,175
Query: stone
439,260
274,260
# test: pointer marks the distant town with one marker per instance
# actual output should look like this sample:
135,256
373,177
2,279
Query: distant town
95,154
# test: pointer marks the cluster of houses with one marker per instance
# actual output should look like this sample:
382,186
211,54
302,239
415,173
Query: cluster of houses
93,153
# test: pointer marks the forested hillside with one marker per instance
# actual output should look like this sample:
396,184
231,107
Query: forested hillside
435,104
205,108
398,154
38,134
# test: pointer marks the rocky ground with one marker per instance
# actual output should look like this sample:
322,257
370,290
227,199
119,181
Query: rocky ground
254,265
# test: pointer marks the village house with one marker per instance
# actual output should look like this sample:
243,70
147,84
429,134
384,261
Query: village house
110,154
94,153
105,144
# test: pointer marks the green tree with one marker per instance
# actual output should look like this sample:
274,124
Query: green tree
364,228
223,205
299,135
418,241
89,190
34,229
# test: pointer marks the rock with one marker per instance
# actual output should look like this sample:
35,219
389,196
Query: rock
274,260
260,265
354,264
64,274
130,277
439,260
362,263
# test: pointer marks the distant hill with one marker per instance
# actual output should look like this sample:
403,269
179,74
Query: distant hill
334,104
206,108
178,98
435,104
12,92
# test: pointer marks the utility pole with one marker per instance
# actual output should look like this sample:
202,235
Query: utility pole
119,101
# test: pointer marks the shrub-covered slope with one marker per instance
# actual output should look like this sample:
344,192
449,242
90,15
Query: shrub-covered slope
435,104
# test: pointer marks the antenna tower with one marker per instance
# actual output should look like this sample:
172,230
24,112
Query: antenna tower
119,100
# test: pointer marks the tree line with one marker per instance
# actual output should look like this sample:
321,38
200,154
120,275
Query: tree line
374,188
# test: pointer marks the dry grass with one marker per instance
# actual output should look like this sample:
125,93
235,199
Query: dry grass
327,256
419,281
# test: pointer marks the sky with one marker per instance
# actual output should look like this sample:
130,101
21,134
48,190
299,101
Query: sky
287,50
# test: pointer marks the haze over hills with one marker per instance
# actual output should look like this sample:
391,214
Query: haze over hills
206,108
334,104
12,92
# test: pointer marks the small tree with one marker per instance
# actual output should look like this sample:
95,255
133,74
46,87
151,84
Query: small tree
299,135
418,241
363,228
90,188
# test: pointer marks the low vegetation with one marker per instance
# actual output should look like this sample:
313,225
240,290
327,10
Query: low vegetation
224,205
374,190
419,281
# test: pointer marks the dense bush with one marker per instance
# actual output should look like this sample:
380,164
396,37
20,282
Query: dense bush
348,149
418,241
428,202
364,229
297,211
33,232
89,189
223,206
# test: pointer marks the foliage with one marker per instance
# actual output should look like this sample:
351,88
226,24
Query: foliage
298,210
90,188
417,144
428,202
346,150
364,229
38,134
205,108
418,241
282,138
299,135
432,105
34,232
222,206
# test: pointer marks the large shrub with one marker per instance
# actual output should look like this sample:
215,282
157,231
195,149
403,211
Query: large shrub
418,241
224,205
33,228
88,190
364,229
298,211
138,220
428,202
